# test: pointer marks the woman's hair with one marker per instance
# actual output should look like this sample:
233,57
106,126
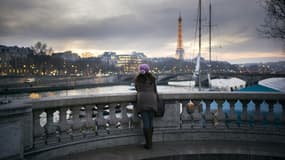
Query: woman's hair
146,77
144,68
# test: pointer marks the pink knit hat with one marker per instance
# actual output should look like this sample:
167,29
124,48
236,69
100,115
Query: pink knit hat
144,68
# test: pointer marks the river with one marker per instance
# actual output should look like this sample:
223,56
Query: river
92,91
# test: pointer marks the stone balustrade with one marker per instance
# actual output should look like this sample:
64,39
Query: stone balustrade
55,127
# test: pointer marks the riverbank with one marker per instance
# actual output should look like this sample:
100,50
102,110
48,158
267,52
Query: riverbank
20,85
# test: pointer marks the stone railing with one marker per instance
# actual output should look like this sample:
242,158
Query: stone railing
49,128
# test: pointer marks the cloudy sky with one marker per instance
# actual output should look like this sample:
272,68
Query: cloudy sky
148,26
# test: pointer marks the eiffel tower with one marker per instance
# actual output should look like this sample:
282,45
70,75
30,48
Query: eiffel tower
179,51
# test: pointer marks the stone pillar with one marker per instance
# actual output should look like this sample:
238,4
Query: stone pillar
16,130
89,121
50,125
125,120
244,114
283,113
208,114
197,114
257,115
221,115
83,121
38,130
94,115
270,116
75,117
131,116
186,119
62,119
113,120
232,114
100,119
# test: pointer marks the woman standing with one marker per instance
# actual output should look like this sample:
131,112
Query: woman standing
146,101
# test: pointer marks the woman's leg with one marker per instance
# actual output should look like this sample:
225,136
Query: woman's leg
147,117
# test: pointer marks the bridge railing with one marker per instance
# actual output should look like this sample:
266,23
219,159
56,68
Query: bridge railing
107,120
65,120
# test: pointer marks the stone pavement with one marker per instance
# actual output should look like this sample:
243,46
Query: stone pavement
183,149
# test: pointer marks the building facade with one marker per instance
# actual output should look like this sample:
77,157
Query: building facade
129,63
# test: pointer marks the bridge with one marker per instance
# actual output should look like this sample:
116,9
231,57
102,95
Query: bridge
163,78
105,127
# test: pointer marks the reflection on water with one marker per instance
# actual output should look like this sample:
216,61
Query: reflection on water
34,96
93,91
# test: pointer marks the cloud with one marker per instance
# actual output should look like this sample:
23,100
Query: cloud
126,25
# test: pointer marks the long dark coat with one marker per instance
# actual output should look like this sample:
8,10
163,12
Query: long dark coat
146,96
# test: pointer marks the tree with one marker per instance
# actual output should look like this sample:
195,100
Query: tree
274,26
50,51
41,49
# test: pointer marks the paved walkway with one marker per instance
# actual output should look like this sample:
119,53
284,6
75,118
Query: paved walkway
174,149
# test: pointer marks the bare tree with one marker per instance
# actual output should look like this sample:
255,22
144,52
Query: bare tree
274,23
50,51
42,49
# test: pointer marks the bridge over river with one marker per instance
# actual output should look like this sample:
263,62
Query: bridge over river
163,78
105,126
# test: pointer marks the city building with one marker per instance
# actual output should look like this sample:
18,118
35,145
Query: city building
67,55
129,63
109,58
12,59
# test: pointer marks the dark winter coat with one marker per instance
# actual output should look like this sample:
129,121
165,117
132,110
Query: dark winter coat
146,95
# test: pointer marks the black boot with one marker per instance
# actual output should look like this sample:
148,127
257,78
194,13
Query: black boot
148,138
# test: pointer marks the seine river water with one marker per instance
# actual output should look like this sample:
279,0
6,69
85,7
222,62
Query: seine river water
93,91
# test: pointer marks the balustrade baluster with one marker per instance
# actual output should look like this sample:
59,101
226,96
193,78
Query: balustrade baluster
38,130
112,117
270,116
208,114
257,115
89,121
75,118
134,117
50,126
244,114
94,116
133,120
101,121
232,115
125,120
62,119
197,114
221,115
185,116
83,121
283,114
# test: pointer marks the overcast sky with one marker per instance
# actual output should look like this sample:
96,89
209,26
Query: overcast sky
148,26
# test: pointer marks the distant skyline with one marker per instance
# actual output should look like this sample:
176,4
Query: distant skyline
145,26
